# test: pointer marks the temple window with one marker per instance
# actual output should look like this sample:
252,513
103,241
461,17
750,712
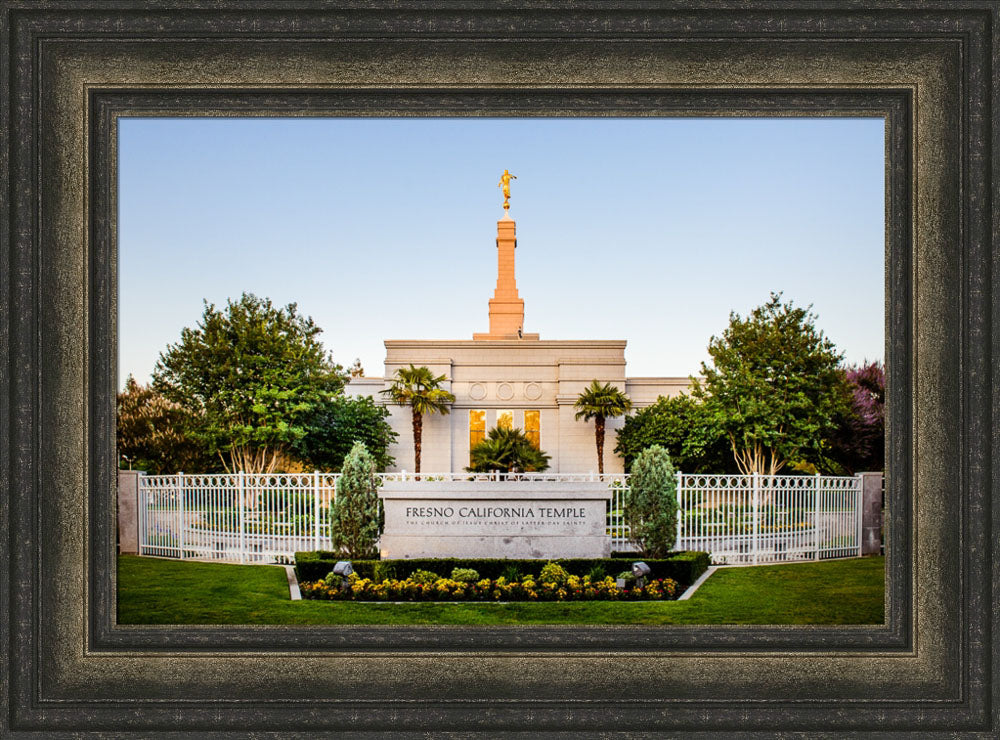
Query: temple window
532,427
505,419
477,427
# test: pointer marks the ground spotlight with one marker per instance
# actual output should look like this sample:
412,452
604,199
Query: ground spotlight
640,570
343,568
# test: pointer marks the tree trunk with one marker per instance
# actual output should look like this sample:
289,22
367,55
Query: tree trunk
418,426
599,432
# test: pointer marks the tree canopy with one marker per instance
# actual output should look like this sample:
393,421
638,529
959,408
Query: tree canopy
600,402
689,430
508,451
154,434
337,424
775,385
251,374
859,442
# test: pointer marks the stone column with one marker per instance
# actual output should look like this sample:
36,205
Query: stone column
128,511
506,307
871,513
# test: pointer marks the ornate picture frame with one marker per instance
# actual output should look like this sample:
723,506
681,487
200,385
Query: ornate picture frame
70,71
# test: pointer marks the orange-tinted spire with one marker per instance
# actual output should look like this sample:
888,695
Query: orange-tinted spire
506,307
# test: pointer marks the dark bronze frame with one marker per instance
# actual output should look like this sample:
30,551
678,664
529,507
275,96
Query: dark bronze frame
71,69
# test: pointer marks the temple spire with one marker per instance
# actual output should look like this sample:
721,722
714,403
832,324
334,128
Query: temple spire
506,306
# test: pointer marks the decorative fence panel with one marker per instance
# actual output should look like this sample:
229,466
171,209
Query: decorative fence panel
763,518
266,518
240,517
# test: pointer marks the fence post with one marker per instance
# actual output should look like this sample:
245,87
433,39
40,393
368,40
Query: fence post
756,513
816,518
859,511
180,510
131,512
680,507
240,509
869,513
315,510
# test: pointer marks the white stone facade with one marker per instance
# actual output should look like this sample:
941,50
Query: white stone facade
507,369
513,375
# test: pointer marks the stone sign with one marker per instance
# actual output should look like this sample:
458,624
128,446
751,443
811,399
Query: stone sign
487,519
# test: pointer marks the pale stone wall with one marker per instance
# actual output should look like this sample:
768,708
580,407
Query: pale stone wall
645,391
358,387
128,511
515,375
473,519
871,513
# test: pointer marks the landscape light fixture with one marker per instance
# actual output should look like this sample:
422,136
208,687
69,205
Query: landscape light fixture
640,570
343,568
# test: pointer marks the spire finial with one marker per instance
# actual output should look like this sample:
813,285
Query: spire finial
504,185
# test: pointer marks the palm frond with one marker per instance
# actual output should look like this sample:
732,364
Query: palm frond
599,400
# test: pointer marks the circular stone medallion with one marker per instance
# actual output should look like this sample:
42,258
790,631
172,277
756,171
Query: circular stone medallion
532,391
477,391
505,391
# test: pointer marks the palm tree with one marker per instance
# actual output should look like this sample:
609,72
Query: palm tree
600,402
418,388
508,450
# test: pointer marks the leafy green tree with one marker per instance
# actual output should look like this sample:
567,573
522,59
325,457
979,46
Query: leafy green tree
337,424
600,402
776,386
356,520
509,451
420,389
688,429
154,434
650,502
251,374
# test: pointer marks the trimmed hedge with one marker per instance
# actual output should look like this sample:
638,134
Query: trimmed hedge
683,567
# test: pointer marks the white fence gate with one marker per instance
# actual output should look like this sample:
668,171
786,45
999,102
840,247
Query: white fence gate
251,518
769,518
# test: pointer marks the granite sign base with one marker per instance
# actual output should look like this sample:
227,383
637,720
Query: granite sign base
480,519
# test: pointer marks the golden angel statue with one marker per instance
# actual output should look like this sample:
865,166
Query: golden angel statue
504,185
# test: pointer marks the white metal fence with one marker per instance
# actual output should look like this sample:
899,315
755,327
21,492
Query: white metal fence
769,518
240,517
265,518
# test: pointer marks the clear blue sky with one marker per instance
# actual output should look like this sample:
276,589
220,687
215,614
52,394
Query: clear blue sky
650,230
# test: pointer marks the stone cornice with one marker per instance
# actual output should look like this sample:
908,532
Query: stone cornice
505,343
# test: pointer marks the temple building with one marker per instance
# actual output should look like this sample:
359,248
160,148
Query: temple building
509,377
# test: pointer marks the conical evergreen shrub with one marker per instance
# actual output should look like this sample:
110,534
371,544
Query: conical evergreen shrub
356,518
651,502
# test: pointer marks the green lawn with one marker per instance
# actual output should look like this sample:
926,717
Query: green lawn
160,591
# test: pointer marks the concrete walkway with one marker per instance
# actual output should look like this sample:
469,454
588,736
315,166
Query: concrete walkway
293,583
697,584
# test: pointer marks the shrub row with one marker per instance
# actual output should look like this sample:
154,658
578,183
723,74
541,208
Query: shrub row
682,567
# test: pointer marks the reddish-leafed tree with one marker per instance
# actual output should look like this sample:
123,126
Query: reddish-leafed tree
859,442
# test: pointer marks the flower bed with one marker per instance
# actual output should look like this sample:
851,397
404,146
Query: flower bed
575,588
682,567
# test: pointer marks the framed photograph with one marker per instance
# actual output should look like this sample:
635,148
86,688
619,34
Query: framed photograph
73,75
645,250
